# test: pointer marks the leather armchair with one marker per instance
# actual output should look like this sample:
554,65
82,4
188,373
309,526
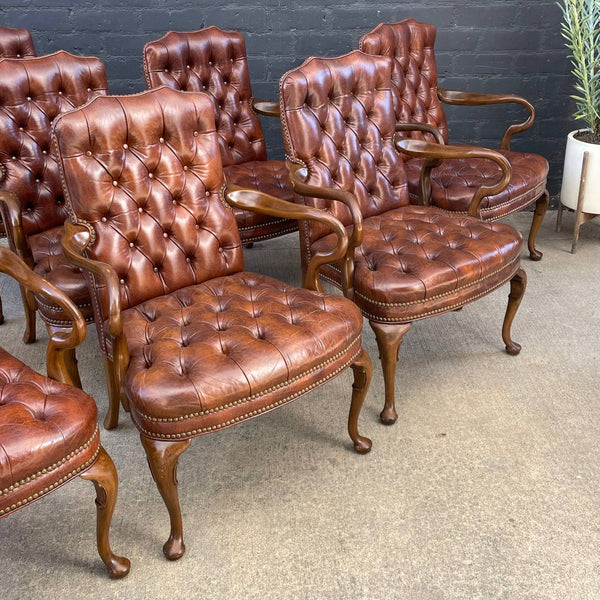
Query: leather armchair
14,43
404,262
48,428
214,61
34,92
197,344
451,183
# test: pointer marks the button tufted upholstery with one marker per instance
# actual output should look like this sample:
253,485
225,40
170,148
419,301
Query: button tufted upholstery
48,428
409,262
33,92
417,99
197,343
15,43
214,61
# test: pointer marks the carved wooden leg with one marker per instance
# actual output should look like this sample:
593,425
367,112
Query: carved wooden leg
541,205
162,459
111,420
65,359
363,370
29,308
104,477
389,337
517,288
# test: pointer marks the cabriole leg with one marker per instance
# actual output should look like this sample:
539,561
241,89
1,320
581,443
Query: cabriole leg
541,206
111,420
363,370
162,459
389,338
517,288
104,477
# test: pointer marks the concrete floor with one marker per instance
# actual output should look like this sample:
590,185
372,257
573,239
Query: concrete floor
488,485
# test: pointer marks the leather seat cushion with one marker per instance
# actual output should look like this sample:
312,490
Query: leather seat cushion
416,261
51,263
210,355
455,181
270,177
48,433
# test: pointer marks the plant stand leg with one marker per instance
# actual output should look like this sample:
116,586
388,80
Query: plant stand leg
578,214
559,216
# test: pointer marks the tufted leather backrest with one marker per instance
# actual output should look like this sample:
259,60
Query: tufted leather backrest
338,119
33,92
414,74
212,61
15,43
144,173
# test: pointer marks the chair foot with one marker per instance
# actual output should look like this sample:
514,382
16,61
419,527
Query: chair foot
162,459
104,477
389,338
518,284
363,370
541,205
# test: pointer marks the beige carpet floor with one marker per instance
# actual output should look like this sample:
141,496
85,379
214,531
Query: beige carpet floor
487,487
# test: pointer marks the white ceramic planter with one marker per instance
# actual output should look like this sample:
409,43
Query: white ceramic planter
572,175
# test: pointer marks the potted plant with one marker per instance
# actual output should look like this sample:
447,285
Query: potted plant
581,28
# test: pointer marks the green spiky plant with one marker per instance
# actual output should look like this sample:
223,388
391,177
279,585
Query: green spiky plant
581,29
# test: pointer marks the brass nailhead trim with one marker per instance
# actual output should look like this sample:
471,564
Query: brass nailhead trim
249,398
253,413
55,466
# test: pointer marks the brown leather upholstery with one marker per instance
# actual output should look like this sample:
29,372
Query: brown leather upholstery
417,100
214,61
15,43
48,428
208,345
33,92
414,261
48,433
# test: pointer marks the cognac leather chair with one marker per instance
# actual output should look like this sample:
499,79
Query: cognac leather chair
16,43
48,428
214,61
33,92
452,183
404,262
197,343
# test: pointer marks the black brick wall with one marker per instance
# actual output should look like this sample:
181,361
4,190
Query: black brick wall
486,46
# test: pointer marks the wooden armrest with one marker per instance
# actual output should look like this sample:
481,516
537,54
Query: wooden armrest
269,205
476,99
425,127
74,242
269,108
60,342
298,173
417,148
10,209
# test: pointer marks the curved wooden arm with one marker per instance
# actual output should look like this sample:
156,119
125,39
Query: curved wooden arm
417,148
74,242
269,108
298,173
474,99
268,205
60,342
10,209
424,127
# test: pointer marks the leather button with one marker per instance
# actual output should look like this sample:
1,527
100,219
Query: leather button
155,269
121,281
140,209
29,98
131,244
188,260
185,167
60,93
221,250
165,235
89,89
125,146
115,183
161,140
151,175
88,153
103,219
207,193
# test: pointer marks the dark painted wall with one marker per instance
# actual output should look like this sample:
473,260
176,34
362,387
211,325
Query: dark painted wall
487,45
